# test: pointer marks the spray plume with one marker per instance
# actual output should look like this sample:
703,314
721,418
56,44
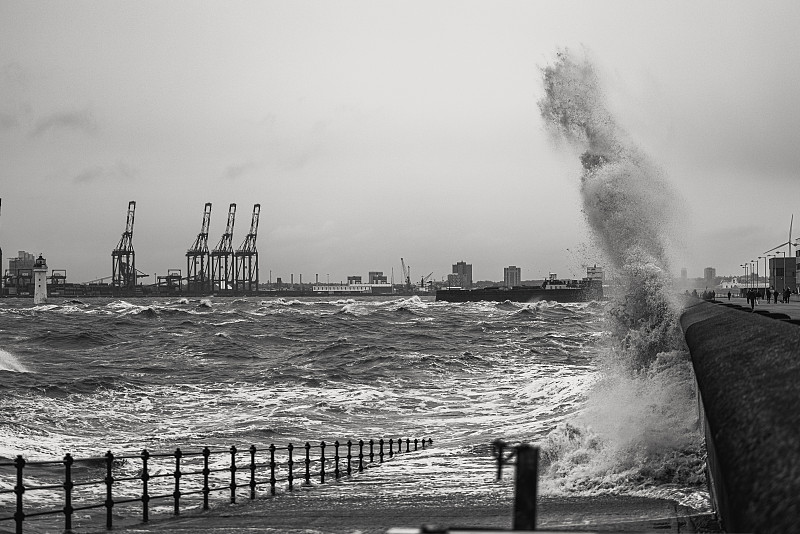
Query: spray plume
640,420
628,205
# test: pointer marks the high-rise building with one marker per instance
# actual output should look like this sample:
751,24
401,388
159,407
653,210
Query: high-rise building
512,276
710,274
462,275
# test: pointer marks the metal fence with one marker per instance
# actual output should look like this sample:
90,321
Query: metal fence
178,477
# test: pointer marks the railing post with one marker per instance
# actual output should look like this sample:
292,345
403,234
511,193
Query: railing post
272,479
176,495
109,481
371,451
322,462
252,472
391,447
360,455
499,445
415,443
336,459
290,463
525,493
206,472
308,463
19,489
233,474
380,453
408,445
145,495
68,485
349,456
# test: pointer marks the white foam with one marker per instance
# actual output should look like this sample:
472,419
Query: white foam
9,362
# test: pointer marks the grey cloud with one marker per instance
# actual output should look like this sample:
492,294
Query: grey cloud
8,120
233,172
121,171
77,120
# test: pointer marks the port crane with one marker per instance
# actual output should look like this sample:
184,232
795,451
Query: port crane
222,257
123,258
406,274
247,257
425,279
198,268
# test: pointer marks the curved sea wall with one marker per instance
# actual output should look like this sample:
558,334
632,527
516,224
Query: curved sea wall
748,375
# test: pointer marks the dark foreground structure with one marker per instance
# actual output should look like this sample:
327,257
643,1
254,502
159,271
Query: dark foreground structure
748,374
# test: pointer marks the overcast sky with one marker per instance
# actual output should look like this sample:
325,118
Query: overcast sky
370,131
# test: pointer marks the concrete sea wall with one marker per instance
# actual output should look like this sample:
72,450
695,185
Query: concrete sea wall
748,374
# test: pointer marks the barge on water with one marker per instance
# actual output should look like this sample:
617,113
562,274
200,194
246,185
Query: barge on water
552,289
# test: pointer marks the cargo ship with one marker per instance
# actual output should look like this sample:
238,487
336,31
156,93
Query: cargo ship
551,289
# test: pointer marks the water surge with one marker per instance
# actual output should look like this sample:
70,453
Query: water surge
640,426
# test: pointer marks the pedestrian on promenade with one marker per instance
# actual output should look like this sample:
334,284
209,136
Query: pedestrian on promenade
769,295
751,298
729,295
775,295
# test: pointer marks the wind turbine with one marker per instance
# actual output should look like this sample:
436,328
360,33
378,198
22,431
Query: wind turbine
788,242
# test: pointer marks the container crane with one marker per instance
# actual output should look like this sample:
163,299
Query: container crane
247,257
198,268
123,258
222,257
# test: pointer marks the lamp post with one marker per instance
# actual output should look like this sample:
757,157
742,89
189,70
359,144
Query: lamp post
744,266
784,273
753,266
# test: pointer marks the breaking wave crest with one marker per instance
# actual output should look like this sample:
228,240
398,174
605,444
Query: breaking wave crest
640,425
8,362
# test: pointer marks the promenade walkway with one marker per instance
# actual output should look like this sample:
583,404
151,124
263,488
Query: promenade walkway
792,309
393,496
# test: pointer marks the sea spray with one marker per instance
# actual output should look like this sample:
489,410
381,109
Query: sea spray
640,424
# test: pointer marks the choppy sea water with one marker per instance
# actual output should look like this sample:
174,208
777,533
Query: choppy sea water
125,375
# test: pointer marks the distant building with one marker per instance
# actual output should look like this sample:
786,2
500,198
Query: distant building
377,277
709,275
353,280
462,275
783,273
18,278
512,276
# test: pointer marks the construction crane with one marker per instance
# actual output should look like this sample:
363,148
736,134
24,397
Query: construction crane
198,268
223,276
247,257
123,258
406,274
425,279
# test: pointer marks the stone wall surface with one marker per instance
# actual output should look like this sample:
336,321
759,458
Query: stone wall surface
748,374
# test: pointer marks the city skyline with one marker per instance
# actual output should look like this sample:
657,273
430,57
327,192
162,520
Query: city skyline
371,131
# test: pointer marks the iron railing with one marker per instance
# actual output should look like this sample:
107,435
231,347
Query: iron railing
178,476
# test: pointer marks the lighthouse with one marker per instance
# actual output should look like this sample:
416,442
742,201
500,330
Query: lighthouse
40,281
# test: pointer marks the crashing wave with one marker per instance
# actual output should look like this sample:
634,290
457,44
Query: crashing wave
640,423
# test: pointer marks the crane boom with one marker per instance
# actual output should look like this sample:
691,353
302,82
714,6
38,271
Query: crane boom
226,241
247,257
249,243
123,258
201,243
